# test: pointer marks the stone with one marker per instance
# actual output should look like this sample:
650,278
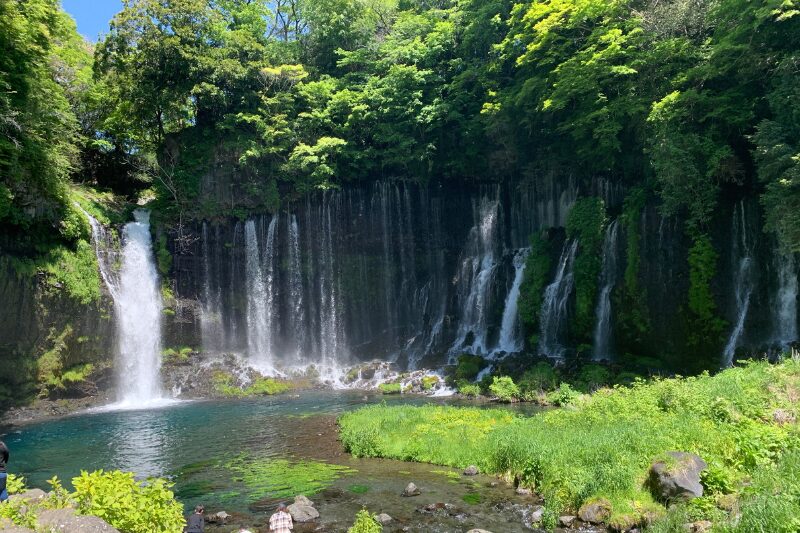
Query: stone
595,512
566,520
411,490
29,496
66,521
783,417
302,513
16,529
701,526
303,500
677,479
523,491
218,518
478,531
536,515
471,470
383,518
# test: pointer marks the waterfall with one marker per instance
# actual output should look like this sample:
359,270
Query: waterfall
555,305
331,331
476,276
105,252
297,316
608,278
742,263
786,300
510,335
259,321
138,313
211,328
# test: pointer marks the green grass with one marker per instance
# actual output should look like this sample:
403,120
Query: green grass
601,445
281,478
390,388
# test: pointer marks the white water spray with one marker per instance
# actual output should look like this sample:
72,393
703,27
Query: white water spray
742,259
510,336
608,278
259,331
556,302
786,300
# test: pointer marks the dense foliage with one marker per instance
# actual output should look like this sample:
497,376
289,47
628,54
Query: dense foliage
603,444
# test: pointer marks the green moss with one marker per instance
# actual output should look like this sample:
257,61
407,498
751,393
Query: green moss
534,280
468,367
176,355
472,498
358,489
390,388
50,364
224,384
586,223
428,382
163,255
281,478
705,327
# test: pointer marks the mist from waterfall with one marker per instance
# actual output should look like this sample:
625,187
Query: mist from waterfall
298,310
602,348
138,317
555,304
742,263
259,298
211,327
511,339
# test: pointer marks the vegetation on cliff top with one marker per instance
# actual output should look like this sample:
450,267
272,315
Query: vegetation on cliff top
741,421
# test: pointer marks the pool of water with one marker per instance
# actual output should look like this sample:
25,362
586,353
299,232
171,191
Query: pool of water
245,456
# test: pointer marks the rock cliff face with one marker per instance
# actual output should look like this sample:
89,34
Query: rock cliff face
419,274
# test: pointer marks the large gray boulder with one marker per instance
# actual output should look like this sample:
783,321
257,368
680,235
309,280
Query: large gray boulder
66,521
29,496
302,510
677,478
411,490
15,529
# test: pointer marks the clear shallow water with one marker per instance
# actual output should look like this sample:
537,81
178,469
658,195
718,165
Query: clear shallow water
197,444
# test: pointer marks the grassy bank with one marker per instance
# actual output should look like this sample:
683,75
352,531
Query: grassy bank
741,421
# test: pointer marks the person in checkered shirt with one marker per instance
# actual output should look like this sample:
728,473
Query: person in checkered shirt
281,521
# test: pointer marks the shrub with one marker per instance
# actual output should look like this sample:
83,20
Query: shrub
468,367
469,389
176,355
504,389
563,395
428,382
540,378
593,377
365,523
127,504
390,388
15,484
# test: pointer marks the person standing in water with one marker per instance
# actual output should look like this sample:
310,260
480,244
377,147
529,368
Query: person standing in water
281,521
196,523
3,473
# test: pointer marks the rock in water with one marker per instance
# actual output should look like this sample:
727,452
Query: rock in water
66,521
678,478
303,500
411,490
523,491
302,513
471,470
566,520
595,512
383,518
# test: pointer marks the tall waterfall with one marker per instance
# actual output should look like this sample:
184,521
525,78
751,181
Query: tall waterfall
510,335
138,317
742,264
786,299
331,342
259,316
555,306
298,310
475,277
211,327
608,278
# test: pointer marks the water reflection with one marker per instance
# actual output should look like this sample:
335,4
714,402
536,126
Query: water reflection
143,443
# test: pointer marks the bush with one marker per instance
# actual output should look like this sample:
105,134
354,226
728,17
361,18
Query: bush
504,389
365,523
469,389
468,367
541,378
593,377
15,484
128,505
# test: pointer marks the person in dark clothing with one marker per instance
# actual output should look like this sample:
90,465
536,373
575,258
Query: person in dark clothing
3,473
196,523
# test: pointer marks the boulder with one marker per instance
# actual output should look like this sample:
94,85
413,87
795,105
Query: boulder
478,531
303,500
16,529
596,511
66,521
566,520
302,513
411,490
677,478
523,491
29,496
383,518
471,470
218,518
701,526
536,515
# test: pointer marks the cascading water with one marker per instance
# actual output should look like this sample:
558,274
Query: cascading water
786,300
211,314
298,310
475,278
259,330
138,317
608,278
555,305
510,335
742,263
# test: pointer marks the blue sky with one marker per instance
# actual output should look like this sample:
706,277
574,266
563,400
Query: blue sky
92,16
